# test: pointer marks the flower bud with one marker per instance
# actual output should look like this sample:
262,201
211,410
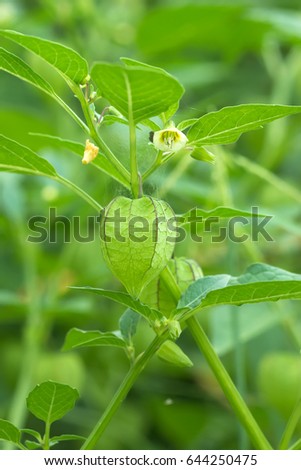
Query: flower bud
171,353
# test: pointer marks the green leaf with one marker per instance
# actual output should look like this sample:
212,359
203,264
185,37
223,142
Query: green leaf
33,433
127,61
16,158
50,401
199,215
14,65
171,353
222,27
138,91
226,125
252,321
169,113
109,119
151,125
100,162
187,123
33,445
19,159
125,299
65,437
260,283
9,432
80,339
25,120
128,324
68,62
54,141
198,290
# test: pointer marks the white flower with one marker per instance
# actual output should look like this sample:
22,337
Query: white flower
91,152
169,140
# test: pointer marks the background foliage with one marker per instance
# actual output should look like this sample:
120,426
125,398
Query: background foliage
224,53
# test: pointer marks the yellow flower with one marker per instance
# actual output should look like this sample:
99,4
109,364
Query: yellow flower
169,140
90,153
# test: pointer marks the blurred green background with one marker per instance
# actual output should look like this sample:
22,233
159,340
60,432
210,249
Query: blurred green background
224,53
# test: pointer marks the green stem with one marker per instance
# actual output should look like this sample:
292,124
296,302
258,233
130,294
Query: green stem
46,445
296,445
239,368
156,163
223,188
239,406
159,161
79,191
135,181
70,111
290,427
92,131
123,390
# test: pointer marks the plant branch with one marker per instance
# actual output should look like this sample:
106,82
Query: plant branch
233,396
135,183
46,445
79,191
70,111
123,390
159,161
290,427
156,163
92,131
236,401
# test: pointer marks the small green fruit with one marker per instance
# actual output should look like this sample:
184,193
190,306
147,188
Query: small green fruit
157,294
137,239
